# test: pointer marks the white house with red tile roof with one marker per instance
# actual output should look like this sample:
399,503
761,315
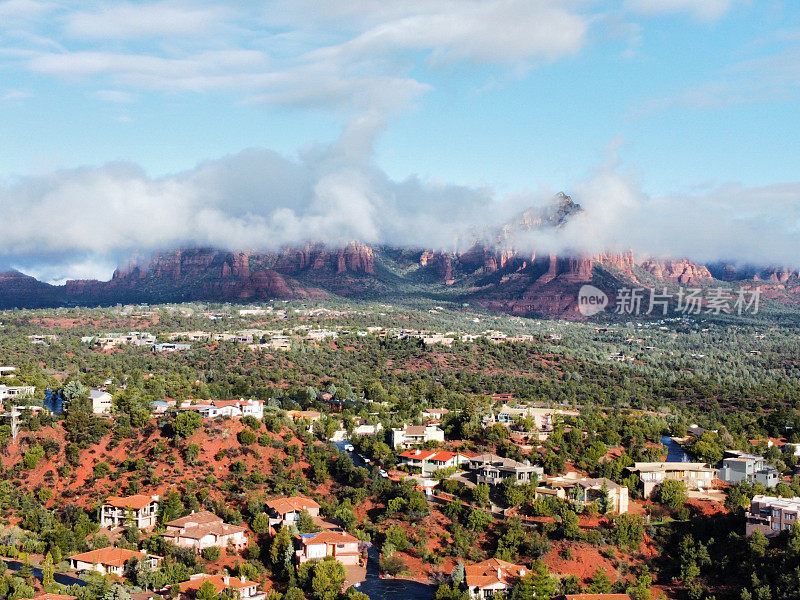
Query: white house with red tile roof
429,461
490,577
248,590
124,511
340,545
286,511
205,529
109,561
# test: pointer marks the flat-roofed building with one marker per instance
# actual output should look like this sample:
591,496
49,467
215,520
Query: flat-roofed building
771,515
696,476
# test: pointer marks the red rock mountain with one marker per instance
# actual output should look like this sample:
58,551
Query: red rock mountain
493,274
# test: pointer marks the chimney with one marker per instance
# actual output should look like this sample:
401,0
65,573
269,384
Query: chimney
242,579
522,572
499,573
226,579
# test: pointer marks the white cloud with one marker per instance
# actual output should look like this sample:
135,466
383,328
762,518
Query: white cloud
259,200
362,55
21,10
128,20
115,96
707,10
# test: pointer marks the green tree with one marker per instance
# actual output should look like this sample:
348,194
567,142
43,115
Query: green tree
261,523
536,584
186,423
211,553
207,591
600,582
48,571
672,494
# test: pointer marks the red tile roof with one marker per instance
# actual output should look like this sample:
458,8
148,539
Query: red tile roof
418,454
329,537
219,583
113,557
203,517
137,502
287,505
491,571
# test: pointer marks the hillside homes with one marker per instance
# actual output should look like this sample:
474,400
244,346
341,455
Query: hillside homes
411,435
493,469
101,402
286,511
586,490
492,577
771,515
125,511
203,530
109,561
696,476
340,545
741,466
246,590
426,462
227,408
16,392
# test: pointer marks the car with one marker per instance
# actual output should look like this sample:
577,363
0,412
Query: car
383,473
366,460
349,447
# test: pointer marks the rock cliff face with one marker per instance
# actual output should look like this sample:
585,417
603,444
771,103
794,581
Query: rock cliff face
677,271
22,291
492,272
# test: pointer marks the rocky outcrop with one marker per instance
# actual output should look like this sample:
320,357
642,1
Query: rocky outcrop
677,271
22,291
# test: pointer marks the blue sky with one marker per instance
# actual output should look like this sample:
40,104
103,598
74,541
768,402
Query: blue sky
497,99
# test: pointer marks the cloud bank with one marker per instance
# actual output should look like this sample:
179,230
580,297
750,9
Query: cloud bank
81,222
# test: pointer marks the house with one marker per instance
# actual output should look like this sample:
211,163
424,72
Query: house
247,590
434,414
49,596
109,561
340,545
227,408
203,530
286,511
101,402
428,461
8,372
15,392
308,415
587,490
771,515
171,347
696,476
740,466
490,577
125,511
493,469
410,435
363,428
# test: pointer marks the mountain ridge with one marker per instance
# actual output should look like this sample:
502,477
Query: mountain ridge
494,275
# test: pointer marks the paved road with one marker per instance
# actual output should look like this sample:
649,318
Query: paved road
62,578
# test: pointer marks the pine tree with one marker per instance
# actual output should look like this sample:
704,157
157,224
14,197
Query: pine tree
48,571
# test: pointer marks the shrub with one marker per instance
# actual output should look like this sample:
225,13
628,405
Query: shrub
211,553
